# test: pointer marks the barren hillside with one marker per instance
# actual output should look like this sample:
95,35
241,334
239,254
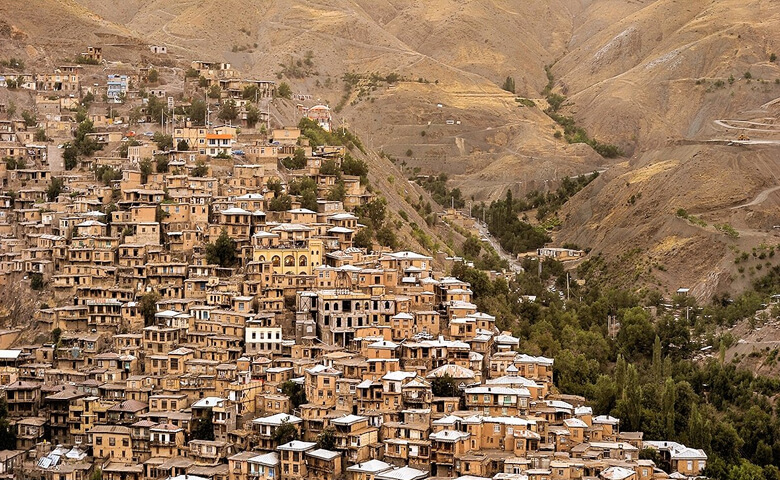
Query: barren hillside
662,79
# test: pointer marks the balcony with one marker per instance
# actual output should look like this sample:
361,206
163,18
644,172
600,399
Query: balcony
417,397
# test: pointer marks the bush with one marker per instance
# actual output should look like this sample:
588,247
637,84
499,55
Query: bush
556,101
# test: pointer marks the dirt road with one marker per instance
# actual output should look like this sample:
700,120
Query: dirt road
760,198
514,265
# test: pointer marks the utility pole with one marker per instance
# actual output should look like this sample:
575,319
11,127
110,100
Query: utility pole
567,286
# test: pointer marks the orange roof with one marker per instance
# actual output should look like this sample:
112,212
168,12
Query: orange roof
222,136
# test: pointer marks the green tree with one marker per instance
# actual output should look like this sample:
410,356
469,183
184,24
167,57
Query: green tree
604,394
297,161
107,174
56,334
745,470
281,203
726,441
309,200
444,386
295,392
472,247
698,430
275,186
364,239
201,169
386,237
164,142
657,364
203,428
327,439
285,433
191,73
284,90
161,163
36,281
228,111
630,405
147,307
636,333
155,108
146,169
7,431
252,116
329,167
354,166
40,136
54,189
509,84
153,76
30,119
249,92
197,111
182,146
764,455
223,251
668,412
338,192
70,156
214,91
300,185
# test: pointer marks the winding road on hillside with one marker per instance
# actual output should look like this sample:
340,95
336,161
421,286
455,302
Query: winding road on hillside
760,198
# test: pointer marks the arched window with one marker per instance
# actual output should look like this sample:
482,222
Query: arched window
276,261
261,259
327,306
289,261
302,261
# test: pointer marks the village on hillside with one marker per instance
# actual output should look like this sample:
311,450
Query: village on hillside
209,304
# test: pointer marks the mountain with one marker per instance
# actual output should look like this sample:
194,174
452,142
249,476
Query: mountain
661,79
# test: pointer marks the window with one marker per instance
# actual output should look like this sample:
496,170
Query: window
496,428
